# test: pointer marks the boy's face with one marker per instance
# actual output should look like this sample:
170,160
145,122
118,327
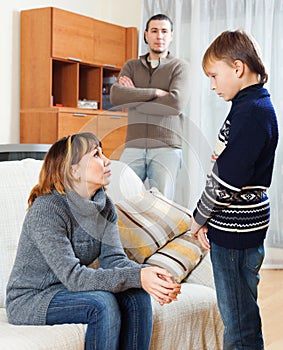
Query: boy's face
159,36
224,79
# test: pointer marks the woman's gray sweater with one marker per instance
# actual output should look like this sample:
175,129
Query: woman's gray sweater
61,236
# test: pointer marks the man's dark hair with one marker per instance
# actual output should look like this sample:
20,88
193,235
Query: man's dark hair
159,17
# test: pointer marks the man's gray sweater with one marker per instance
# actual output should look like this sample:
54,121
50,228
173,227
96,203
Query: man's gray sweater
154,121
61,236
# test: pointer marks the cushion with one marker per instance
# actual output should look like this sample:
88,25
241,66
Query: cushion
179,256
202,274
124,182
148,221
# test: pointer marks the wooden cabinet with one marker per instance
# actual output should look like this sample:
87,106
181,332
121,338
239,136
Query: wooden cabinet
47,125
70,123
113,139
72,35
65,58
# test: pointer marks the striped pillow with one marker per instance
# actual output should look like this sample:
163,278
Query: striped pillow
148,221
180,256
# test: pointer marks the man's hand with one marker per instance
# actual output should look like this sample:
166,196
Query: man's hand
126,81
160,93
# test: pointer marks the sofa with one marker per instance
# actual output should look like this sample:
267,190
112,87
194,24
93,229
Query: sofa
191,323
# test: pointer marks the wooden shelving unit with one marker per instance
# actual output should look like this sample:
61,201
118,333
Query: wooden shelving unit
65,57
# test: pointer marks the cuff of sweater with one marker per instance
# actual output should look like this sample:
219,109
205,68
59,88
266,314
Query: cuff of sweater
200,219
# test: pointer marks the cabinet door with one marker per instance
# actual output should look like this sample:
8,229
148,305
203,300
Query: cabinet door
38,126
112,130
73,123
73,36
110,44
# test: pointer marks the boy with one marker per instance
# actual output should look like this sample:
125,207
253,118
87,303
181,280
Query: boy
233,211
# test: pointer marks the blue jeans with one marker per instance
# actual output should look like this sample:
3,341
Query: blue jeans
160,165
115,321
236,276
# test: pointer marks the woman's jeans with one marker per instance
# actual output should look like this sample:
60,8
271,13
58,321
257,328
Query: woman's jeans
236,276
115,321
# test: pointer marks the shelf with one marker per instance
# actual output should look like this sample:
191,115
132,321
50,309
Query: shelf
90,83
64,83
68,59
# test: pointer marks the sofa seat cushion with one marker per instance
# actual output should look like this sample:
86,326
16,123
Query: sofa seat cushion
58,337
192,322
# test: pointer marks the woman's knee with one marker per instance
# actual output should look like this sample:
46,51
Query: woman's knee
142,298
104,308
135,300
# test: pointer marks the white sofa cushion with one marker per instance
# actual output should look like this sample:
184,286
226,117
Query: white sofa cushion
124,182
58,337
191,323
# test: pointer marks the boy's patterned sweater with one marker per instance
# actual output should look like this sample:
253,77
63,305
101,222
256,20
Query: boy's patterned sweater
234,203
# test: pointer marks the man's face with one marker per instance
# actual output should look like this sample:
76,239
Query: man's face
159,36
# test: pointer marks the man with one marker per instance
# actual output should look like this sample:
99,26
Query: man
155,88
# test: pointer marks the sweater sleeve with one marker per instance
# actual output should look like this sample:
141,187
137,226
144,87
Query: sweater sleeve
173,103
49,225
234,168
178,93
122,95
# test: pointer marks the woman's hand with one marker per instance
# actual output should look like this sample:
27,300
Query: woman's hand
159,284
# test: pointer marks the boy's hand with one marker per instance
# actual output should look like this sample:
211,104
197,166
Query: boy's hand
202,238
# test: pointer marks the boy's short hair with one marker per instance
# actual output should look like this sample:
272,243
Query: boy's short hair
236,45
158,17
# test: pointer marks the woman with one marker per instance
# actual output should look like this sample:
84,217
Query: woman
70,222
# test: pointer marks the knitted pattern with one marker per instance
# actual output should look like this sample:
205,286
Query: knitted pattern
235,199
61,236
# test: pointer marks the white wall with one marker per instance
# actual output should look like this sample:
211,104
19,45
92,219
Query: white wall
122,12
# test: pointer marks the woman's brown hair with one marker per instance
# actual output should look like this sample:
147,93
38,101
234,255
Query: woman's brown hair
56,172
236,45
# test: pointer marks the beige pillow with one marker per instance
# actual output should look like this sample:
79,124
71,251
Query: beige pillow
180,256
148,221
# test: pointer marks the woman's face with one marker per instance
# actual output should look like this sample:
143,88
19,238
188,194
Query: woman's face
92,172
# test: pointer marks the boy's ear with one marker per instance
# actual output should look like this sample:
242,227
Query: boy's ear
239,68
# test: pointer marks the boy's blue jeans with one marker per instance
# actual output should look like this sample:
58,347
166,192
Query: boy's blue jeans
236,276
115,321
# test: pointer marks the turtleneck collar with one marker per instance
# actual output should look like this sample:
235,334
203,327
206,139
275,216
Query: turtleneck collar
247,91
86,207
